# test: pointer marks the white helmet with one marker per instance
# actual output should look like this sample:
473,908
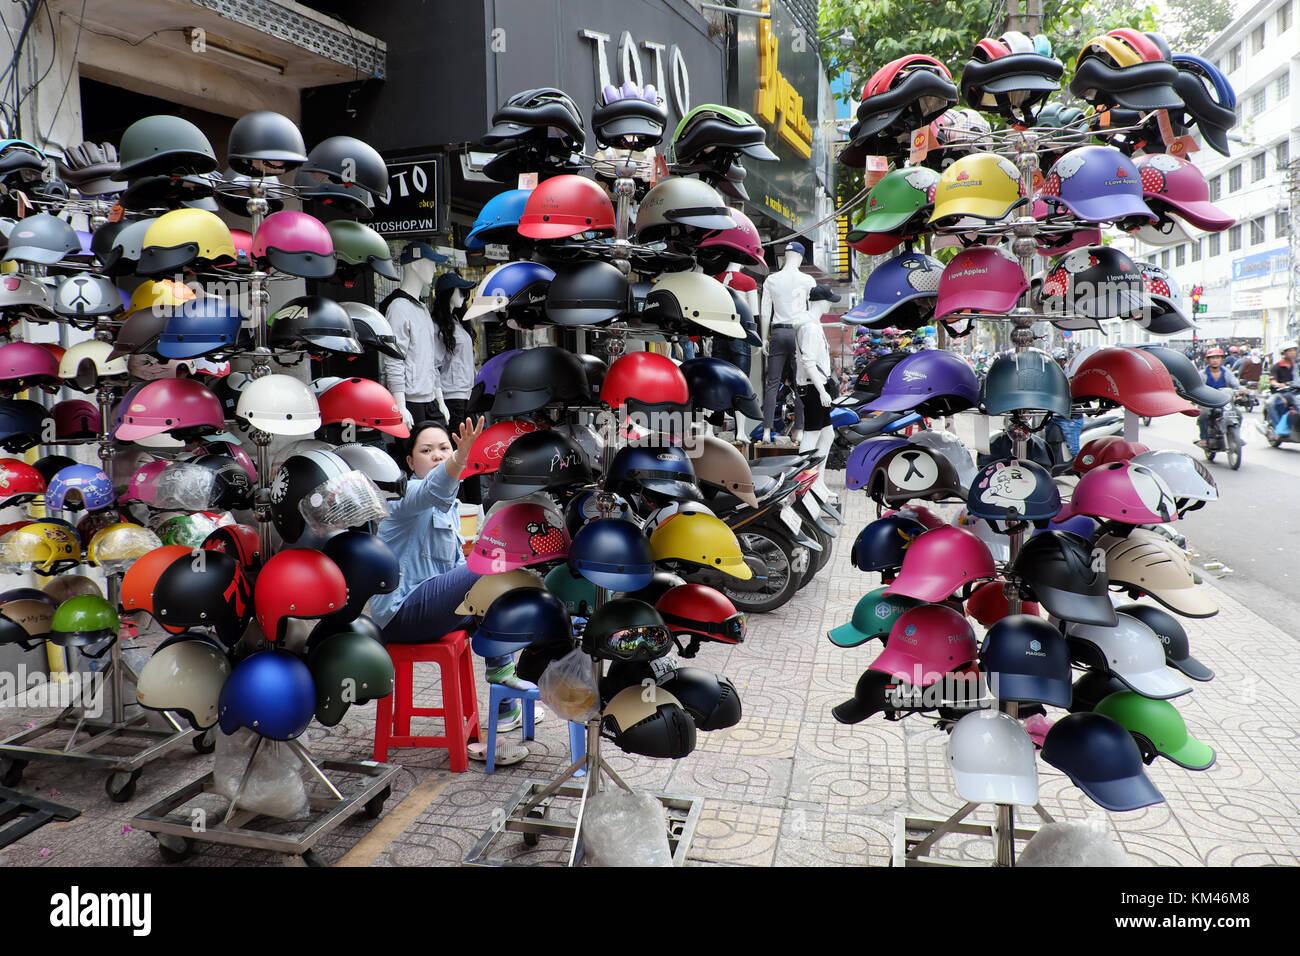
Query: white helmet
992,760
299,447
999,545
1286,347
697,299
185,677
1189,480
85,362
952,448
16,290
279,405
1133,654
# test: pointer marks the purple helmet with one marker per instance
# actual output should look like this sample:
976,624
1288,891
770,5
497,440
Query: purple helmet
1097,184
487,380
864,458
901,290
931,382
79,486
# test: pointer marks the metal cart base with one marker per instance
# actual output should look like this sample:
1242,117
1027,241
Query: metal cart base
21,814
914,837
683,815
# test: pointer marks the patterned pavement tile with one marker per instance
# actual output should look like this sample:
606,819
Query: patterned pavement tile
754,736
812,837
751,780
736,833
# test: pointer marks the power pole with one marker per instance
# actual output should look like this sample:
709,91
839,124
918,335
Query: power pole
1025,16
1293,273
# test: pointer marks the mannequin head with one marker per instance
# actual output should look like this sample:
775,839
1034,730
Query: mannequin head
794,256
819,301
419,261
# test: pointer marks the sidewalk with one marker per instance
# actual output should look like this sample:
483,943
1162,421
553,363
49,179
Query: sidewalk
788,786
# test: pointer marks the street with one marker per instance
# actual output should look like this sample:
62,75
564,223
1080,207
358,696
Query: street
1254,528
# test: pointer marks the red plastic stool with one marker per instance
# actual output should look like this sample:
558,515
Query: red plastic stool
460,701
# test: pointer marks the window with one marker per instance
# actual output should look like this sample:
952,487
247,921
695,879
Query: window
1214,244
1282,224
1234,238
1282,154
1196,250
1283,86
1258,100
1234,59
1257,231
1216,187
1180,255
1284,18
1164,259
1257,39
1234,178
1257,165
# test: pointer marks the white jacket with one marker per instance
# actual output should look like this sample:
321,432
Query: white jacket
456,373
417,377
813,354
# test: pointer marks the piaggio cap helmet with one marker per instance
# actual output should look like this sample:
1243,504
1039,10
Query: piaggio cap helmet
24,365
992,760
1149,563
1129,651
988,604
925,643
1178,653
1026,660
939,562
873,617
741,243
1102,760
1158,729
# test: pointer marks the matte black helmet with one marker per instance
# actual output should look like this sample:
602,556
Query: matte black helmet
628,630
315,323
534,378
208,589
872,379
709,698
1058,568
264,143
587,293
348,161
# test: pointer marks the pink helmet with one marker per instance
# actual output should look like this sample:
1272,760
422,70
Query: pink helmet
243,246
742,238
235,451
984,279
296,243
921,513
23,364
1178,184
925,643
939,562
517,536
1122,491
144,483
181,406
76,418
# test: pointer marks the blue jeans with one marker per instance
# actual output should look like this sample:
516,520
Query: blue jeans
430,610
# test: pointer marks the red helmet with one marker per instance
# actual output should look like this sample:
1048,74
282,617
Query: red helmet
1102,451
240,541
1130,377
702,612
362,402
988,604
1211,353
565,206
645,377
490,447
298,582
142,576
19,482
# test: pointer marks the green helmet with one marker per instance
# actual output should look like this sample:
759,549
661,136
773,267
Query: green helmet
159,145
356,244
190,530
711,125
1158,728
348,668
577,593
901,195
1028,379
873,617
86,619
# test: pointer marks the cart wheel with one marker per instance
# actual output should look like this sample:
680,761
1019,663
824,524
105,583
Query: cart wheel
11,772
121,786
312,858
173,848
206,742
375,805
536,813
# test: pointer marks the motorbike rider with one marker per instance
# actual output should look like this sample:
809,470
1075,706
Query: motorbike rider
1249,368
1282,373
1216,376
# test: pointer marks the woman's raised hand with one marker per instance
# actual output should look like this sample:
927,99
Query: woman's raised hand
463,440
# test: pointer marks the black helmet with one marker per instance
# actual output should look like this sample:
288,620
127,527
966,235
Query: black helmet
50,465
719,386
537,111
164,145
315,323
1178,651
125,247
327,627
233,487
263,143
368,565
1030,660
587,294
1058,568
350,162
1001,447
534,378
626,629
660,584
24,424
207,589
1188,382
658,473
372,329
913,471
540,461
298,475
535,658
629,118
595,367
654,727
709,698
1091,688
872,379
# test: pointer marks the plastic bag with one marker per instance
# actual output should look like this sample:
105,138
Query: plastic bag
568,687
1089,843
275,788
185,487
348,501
625,829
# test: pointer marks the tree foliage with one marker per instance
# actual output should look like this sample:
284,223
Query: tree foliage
1192,24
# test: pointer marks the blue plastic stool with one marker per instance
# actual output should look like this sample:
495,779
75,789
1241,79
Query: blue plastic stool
529,696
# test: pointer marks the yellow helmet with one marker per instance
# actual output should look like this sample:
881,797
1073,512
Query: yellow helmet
160,293
73,368
45,547
116,547
1119,52
489,587
700,539
982,185
181,237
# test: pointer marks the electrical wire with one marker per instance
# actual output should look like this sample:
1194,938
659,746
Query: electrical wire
72,69
54,55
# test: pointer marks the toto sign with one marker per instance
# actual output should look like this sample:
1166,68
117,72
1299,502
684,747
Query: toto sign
662,56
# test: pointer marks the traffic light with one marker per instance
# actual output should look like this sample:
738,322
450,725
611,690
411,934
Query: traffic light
1197,308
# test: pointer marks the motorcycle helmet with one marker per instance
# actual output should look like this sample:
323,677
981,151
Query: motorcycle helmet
364,403
1165,626
164,145
982,279
740,243
1011,77
46,547
662,473
523,287
142,576
1101,759
1026,659
208,590
20,483
982,186
566,206
377,465
490,447
693,299
871,380
279,405
1122,491
1129,652
626,629
80,486
263,143
189,530
498,220
198,327
873,617
881,545
41,239
348,668
85,619
488,378
231,485
143,485
489,587
1097,184
294,243
1026,380
586,506
1015,492
25,621
519,617
269,692
349,162
899,202
678,207
540,461
1175,185
701,612
185,677
181,407
587,293
1167,316
644,380
902,289
184,238
517,535
1124,68
988,604
85,363
1130,377
914,472
657,727
1093,283
925,643
939,562
23,424
240,541
710,699
700,540
372,329
1187,379
1149,563
719,464
1059,570
368,565
534,378
576,592
1104,451
297,477
23,365
612,553
357,245
1208,98
864,457
297,583
991,758
1158,729
903,95
930,382
719,386
314,323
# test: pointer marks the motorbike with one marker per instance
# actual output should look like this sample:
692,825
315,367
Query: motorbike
1290,420
1223,433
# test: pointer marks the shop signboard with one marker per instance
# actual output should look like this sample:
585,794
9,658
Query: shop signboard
415,203
1261,266
777,80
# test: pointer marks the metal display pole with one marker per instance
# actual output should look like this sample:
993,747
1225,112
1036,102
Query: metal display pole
259,301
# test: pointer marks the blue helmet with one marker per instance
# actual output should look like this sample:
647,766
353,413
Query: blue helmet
519,617
613,553
498,220
1102,759
1013,491
881,544
902,290
864,457
583,508
1031,661
368,565
719,386
271,693
199,326
1081,525
90,486
664,471
515,285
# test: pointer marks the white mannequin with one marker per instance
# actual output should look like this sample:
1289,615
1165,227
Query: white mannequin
824,438
750,299
417,275
785,301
